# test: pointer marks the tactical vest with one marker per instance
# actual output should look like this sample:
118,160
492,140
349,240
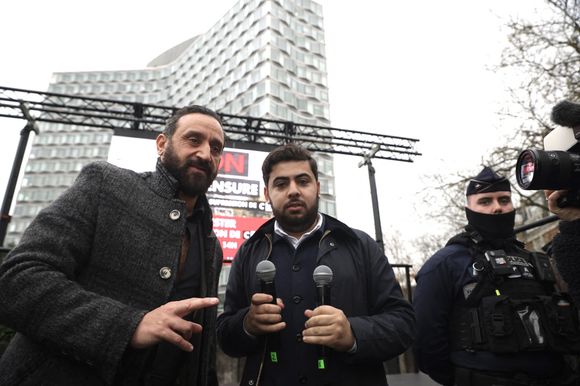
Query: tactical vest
512,305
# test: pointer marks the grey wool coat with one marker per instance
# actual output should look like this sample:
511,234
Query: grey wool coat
87,269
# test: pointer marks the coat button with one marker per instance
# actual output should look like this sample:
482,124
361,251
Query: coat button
165,273
299,337
174,214
296,299
331,243
251,382
296,267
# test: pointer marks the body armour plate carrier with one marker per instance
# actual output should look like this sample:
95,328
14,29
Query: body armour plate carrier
512,305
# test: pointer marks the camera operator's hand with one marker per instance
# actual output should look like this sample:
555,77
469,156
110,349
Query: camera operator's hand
569,213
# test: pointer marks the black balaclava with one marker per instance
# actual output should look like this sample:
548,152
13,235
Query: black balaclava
490,226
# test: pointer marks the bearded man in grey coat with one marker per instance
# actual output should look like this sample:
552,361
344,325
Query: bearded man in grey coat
116,281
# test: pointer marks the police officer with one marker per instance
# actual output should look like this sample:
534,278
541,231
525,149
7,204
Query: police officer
487,309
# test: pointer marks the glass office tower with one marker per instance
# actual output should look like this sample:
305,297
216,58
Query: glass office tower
263,58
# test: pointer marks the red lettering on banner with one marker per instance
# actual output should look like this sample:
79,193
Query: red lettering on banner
233,231
234,163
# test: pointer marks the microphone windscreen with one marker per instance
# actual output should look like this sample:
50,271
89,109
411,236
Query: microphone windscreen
566,114
266,271
322,275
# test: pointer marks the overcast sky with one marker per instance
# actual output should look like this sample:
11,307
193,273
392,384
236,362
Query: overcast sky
416,69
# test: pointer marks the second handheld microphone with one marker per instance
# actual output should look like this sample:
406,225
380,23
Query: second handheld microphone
266,271
322,276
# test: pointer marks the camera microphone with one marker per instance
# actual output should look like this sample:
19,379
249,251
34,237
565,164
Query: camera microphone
566,114
322,278
266,271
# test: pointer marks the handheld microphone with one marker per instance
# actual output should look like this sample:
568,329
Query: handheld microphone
266,271
322,278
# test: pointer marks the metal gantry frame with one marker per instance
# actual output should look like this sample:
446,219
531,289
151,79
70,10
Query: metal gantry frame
146,120
143,120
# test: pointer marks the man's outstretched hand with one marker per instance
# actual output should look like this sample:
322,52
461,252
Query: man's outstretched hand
166,323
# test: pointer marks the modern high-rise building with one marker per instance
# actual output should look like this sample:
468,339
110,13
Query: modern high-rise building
263,58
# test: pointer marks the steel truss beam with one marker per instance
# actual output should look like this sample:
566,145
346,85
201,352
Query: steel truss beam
146,120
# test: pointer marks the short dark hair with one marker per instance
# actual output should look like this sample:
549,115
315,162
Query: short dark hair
171,124
288,152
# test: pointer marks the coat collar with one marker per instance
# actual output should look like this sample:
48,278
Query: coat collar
163,182
167,186
329,224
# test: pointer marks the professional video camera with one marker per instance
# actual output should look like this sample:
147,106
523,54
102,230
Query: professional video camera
557,167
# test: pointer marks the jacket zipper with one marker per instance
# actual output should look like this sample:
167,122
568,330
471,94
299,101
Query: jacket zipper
326,233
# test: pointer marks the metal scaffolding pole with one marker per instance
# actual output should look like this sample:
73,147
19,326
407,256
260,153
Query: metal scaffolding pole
367,160
16,165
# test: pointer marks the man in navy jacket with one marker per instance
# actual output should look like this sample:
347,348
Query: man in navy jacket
368,320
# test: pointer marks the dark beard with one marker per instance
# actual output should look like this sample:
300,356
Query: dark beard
191,183
291,224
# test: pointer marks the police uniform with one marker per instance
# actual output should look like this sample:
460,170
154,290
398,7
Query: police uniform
487,310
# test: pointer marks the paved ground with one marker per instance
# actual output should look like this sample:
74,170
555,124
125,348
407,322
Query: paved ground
412,379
